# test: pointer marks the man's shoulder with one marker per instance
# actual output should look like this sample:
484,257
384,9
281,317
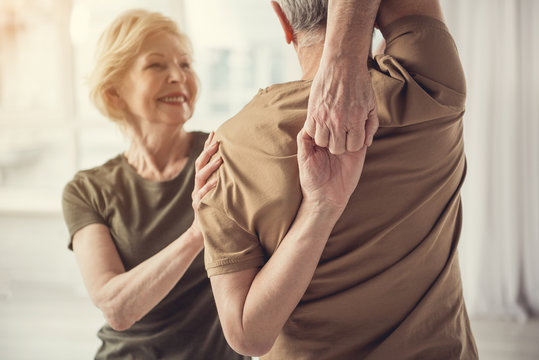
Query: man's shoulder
270,120
419,78
259,178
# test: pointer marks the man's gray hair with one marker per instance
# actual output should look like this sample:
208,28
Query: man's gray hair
305,15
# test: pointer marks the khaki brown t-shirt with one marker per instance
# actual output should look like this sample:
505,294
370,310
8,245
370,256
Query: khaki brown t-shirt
144,217
388,284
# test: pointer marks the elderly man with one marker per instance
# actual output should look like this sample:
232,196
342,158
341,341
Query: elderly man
375,276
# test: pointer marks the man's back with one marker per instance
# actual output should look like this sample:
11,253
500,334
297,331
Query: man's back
388,280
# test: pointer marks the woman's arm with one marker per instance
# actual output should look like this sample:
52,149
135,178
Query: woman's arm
254,304
125,297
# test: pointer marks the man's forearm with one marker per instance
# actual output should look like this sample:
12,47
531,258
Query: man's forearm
349,28
281,283
254,310
342,113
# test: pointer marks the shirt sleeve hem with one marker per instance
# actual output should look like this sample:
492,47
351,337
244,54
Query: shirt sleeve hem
76,227
230,265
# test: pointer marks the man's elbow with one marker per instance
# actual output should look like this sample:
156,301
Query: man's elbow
247,345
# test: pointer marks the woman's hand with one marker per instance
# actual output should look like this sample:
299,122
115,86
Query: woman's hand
204,169
327,180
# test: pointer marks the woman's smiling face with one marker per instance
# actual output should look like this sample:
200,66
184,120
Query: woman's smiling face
160,85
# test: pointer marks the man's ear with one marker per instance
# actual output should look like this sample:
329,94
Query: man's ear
288,31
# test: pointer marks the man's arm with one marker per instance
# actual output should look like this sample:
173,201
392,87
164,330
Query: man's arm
342,106
255,304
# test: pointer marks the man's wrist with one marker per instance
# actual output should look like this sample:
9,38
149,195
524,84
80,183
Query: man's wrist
322,209
345,59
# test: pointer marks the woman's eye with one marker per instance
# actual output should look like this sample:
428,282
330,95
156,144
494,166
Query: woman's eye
156,66
185,65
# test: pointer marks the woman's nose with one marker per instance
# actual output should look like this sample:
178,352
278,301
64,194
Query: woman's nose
176,74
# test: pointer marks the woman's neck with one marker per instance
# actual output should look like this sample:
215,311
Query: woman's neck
160,152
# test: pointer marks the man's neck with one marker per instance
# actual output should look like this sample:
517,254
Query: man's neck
309,59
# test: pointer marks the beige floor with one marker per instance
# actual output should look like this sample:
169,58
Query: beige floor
61,324
502,340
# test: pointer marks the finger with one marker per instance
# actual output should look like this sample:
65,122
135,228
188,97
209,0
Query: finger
199,195
305,143
300,142
371,126
355,138
203,174
209,139
337,141
310,126
321,138
205,155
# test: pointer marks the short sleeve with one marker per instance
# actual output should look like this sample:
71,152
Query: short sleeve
77,209
228,247
419,77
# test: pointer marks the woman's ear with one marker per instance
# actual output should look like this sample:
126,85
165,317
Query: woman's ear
285,24
114,98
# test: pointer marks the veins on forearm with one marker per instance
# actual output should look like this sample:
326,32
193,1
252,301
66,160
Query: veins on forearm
350,26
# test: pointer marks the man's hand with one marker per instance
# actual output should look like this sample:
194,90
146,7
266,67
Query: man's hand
342,107
327,180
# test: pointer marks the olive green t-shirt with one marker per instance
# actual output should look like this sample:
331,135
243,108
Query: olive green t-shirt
388,284
144,217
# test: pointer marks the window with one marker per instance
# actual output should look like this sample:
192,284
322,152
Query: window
49,128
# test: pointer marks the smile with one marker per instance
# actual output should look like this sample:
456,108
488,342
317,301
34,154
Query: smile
173,99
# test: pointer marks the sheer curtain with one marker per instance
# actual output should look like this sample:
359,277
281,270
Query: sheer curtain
499,45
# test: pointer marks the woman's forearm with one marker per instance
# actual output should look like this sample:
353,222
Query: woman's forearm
125,298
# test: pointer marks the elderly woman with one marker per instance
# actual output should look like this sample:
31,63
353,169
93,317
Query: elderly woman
131,220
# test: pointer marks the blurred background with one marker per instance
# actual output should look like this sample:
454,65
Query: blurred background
49,130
